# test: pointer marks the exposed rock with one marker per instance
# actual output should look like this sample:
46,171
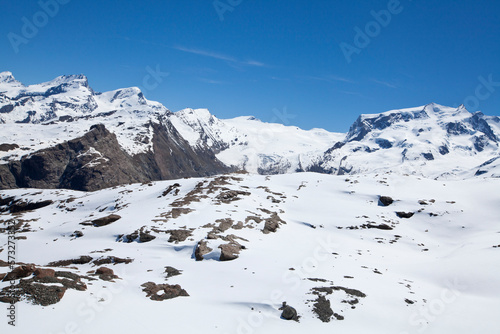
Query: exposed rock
64,263
105,274
104,271
111,260
385,201
8,147
42,273
177,212
146,237
379,226
229,251
152,291
20,272
272,224
171,271
77,234
19,206
105,220
37,293
402,214
323,309
224,224
231,195
173,187
45,288
201,250
96,161
289,313
177,236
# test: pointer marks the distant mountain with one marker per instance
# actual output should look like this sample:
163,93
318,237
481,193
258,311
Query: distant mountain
433,141
63,134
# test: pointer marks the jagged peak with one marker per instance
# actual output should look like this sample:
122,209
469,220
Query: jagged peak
8,78
67,79
200,114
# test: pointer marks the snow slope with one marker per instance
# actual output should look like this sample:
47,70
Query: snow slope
435,272
253,145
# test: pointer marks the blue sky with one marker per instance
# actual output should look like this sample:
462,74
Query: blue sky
282,61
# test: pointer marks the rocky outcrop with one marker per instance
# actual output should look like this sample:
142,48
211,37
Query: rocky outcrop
201,250
97,161
288,312
154,291
229,251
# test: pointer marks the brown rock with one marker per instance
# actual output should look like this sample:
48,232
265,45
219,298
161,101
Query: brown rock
201,250
20,272
229,251
169,291
104,271
42,273
105,220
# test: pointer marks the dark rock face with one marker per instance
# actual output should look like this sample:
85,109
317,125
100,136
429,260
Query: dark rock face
171,271
105,220
402,214
289,313
323,309
8,147
385,201
17,206
96,161
64,263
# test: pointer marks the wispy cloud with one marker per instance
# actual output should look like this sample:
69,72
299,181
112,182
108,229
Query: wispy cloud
383,83
219,56
329,78
212,82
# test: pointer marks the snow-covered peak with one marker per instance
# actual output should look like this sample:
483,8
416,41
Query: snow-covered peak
7,77
77,79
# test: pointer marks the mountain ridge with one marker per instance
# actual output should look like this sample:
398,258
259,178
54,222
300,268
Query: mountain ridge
431,140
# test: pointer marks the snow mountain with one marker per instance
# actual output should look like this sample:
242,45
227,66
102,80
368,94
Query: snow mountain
149,142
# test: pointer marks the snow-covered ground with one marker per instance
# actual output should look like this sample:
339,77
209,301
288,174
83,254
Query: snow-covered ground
436,272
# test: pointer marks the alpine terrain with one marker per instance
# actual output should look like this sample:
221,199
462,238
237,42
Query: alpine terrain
117,214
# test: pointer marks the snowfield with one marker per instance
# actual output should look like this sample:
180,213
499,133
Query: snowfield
325,244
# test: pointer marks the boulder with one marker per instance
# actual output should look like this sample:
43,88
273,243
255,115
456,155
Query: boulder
201,250
385,201
289,313
229,251
42,273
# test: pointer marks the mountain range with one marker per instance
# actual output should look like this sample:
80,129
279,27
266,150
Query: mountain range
63,134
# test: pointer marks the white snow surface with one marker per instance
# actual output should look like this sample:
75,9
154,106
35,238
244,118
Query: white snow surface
444,259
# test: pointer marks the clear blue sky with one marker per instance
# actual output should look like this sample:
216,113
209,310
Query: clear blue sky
255,56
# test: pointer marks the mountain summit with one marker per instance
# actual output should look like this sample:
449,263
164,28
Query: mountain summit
89,135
